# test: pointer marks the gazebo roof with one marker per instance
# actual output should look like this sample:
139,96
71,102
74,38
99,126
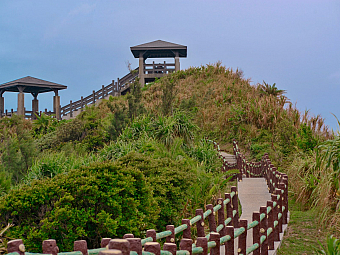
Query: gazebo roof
32,85
159,49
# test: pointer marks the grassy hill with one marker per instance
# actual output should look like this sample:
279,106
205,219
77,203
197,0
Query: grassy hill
159,131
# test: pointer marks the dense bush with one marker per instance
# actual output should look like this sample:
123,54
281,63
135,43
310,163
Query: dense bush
103,200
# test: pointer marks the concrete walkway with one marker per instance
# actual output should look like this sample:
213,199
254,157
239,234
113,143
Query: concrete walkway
253,193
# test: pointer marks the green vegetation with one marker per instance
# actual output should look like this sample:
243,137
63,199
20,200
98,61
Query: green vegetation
152,141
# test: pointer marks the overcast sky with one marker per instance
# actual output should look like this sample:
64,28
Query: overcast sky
86,44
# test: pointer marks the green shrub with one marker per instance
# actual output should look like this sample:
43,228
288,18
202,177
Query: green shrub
102,200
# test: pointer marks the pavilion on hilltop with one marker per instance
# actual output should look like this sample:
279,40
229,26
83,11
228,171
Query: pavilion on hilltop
157,49
33,86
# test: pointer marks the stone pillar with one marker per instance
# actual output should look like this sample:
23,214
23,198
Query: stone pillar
2,103
56,105
35,105
141,69
21,101
177,66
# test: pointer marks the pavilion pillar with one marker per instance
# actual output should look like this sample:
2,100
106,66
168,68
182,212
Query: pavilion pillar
56,105
2,103
141,69
21,101
35,105
177,66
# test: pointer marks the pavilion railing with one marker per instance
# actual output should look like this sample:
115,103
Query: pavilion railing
159,68
218,225
28,114
114,89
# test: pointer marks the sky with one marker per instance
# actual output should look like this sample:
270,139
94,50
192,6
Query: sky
85,44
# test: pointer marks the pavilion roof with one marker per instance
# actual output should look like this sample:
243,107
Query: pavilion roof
159,49
32,85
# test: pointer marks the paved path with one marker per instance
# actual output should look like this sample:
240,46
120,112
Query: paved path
253,193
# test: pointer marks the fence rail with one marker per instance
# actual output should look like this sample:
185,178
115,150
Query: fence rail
217,225
159,68
114,89
28,114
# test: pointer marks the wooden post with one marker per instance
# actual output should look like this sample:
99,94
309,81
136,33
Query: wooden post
170,239
242,239
71,109
82,103
235,206
229,247
215,237
171,247
80,245
200,223
203,242
103,91
128,236
278,192
113,88
270,225
16,245
186,244
104,242
50,247
94,96
120,244
256,232
151,233
263,230
211,218
275,218
221,217
135,245
186,232
153,247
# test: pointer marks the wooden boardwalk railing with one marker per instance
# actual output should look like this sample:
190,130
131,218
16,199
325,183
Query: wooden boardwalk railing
219,225
114,89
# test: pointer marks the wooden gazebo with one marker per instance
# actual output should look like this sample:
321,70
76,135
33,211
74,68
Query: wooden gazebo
34,86
157,49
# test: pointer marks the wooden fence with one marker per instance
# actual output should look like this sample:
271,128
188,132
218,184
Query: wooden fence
218,225
114,89
28,114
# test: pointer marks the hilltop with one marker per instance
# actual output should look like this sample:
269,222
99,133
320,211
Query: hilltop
155,136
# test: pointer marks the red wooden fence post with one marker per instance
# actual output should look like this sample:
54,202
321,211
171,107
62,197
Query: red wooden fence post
242,239
80,245
151,233
120,244
216,238
186,244
256,232
200,223
230,244
135,245
211,218
203,242
270,225
221,216
186,232
16,245
263,230
128,236
275,218
171,247
229,208
104,242
171,238
153,247
50,247
235,206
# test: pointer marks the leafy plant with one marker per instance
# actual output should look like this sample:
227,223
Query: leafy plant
332,246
